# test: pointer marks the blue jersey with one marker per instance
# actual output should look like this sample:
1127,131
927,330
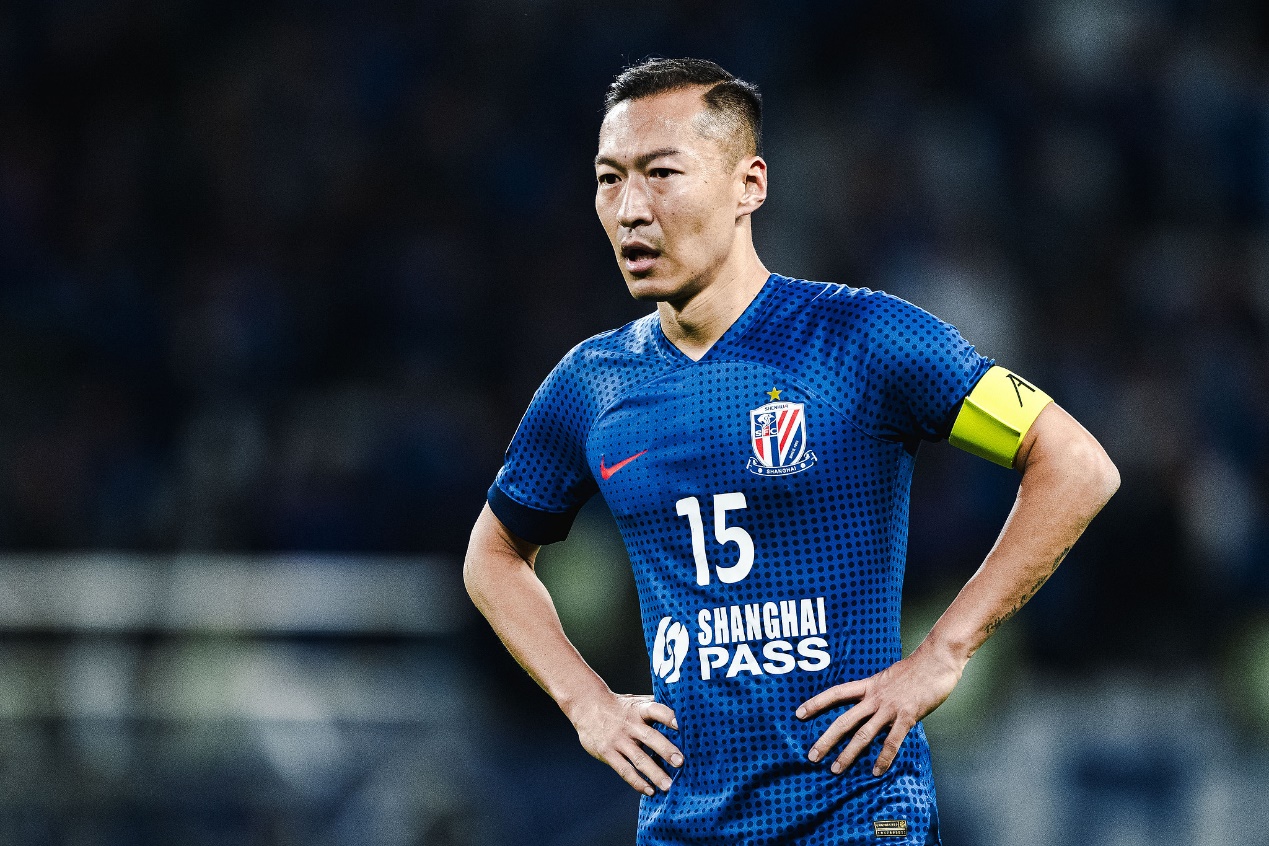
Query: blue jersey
762,494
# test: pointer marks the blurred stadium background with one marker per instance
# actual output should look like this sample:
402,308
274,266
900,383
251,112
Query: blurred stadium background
277,280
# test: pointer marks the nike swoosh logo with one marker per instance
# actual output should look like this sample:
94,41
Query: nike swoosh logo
607,472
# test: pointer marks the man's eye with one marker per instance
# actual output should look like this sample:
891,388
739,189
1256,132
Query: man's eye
607,179
660,172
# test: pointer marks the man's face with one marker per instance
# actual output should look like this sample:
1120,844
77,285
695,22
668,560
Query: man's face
669,197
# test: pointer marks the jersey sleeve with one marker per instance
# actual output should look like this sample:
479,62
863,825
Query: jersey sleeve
545,480
919,370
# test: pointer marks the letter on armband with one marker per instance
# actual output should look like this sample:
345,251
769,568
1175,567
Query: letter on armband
997,415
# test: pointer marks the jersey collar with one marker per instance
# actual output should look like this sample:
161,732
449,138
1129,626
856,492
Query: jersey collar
734,332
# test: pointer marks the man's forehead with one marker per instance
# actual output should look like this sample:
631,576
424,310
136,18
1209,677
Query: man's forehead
668,120
679,104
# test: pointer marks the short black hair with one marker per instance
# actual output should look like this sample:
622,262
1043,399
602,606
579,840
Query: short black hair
736,103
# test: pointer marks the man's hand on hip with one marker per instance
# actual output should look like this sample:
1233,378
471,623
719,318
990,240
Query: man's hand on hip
616,728
892,701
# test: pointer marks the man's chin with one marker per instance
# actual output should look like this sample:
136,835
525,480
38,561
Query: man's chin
651,288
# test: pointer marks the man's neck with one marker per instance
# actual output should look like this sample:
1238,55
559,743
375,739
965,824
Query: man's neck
696,324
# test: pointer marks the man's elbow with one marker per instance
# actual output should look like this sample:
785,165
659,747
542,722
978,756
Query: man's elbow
1110,478
479,581
1097,473
469,574
473,561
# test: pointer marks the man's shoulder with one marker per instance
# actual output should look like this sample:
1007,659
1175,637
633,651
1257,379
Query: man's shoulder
833,298
830,309
629,344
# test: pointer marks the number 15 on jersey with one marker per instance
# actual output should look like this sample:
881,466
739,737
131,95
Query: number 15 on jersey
690,507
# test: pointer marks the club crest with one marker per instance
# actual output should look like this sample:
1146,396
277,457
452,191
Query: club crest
778,438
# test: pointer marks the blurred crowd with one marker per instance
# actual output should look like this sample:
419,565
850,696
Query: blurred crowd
283,276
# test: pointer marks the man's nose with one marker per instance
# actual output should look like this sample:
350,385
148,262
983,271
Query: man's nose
636,204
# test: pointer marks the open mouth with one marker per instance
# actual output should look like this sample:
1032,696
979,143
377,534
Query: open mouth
638,258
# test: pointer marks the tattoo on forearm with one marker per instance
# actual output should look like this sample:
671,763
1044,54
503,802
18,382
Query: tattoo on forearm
996,623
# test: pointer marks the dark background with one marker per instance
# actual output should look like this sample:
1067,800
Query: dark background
278,279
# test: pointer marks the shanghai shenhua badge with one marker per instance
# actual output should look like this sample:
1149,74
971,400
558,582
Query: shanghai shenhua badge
778,438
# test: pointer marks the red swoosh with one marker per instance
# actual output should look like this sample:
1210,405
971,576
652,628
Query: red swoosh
607,472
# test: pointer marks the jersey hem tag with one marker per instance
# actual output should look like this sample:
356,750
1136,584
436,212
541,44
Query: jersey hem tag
890,828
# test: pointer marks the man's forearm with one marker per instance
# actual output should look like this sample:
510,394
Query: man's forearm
505,588
1066,480
614,728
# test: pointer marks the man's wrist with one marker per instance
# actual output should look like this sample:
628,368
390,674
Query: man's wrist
949,651
577,699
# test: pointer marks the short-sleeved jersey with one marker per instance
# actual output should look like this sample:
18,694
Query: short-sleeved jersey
762,494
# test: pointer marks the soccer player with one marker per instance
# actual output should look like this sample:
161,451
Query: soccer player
754,438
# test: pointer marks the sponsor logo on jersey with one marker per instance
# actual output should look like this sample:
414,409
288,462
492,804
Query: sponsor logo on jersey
669,649
757,639
778,438
890,828
795,631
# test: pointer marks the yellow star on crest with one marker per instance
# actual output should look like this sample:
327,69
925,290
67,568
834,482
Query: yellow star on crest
774,393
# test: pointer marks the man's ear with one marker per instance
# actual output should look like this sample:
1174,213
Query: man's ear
753,169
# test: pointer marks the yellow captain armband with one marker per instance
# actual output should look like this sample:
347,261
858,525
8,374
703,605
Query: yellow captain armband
996,416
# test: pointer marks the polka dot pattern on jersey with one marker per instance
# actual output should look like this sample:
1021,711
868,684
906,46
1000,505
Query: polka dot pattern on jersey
762,494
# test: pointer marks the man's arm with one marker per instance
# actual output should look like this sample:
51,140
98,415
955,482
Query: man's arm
1066,479
500,578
